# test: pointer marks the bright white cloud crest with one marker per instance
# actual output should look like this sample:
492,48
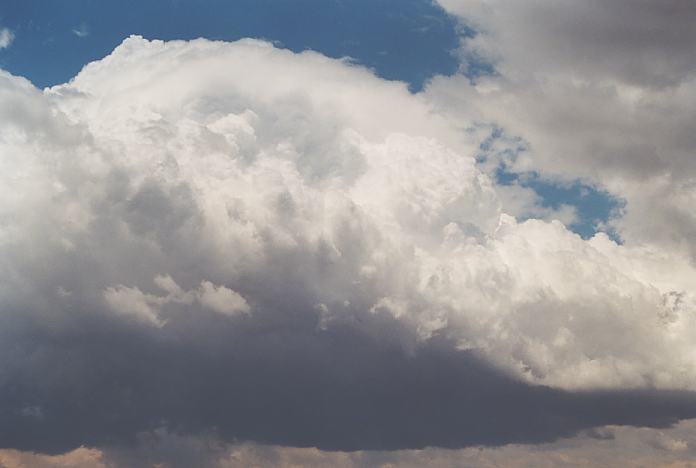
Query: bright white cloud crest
208,176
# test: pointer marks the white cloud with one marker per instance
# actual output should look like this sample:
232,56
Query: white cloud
222,299
132,301
253,175
6,38
81,31
147,307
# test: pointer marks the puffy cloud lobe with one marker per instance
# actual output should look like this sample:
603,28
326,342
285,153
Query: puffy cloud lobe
259,234
145,307
222,299
133,302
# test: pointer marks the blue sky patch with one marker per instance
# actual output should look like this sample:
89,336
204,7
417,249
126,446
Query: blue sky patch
594,206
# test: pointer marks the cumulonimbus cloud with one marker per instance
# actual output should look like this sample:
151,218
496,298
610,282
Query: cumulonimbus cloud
228,236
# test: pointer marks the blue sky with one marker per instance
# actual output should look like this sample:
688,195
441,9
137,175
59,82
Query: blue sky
406,40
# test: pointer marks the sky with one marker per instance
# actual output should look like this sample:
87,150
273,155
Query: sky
55,38
347,233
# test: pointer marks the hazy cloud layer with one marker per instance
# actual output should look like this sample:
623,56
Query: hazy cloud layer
604,91
604,447
283,248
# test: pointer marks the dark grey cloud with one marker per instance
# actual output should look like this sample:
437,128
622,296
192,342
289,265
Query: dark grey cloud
641,42
281,380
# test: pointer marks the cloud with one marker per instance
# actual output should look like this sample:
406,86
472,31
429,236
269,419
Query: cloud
283,248
222,299
6,38
602,447
608,446
81,31
78,458
131,301
640,43
599,91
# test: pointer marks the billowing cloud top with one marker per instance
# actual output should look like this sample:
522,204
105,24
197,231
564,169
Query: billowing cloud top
210,235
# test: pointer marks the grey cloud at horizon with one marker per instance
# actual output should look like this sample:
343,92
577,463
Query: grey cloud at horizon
278,247
602,447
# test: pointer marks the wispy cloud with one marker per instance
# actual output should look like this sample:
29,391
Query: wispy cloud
6,38
81,31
